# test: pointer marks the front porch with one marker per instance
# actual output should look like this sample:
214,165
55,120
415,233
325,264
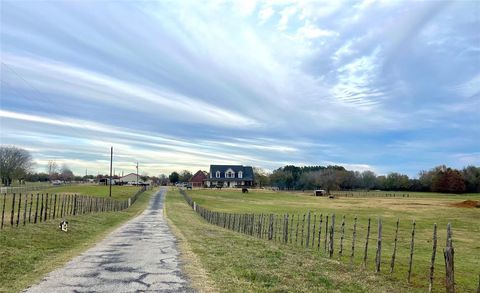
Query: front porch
225,183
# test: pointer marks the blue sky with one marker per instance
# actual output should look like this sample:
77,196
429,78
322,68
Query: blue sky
380,85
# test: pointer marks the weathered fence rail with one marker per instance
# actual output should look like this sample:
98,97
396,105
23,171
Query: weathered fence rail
299,230
36,208
370,194
29,188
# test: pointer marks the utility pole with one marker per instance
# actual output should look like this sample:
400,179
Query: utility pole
111,162
137,173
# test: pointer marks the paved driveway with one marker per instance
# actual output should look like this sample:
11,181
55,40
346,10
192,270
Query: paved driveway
140,256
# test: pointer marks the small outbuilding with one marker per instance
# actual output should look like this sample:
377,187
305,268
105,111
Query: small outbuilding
319,192
198,178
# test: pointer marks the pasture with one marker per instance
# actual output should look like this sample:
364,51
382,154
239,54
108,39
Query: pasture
6,200
118,192
425,208
220,260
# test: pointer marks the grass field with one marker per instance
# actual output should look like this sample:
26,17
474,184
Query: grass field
118,193
233,262
29,252
425,209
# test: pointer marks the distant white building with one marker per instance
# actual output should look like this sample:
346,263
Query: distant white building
130,179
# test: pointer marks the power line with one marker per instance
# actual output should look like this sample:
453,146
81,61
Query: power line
27,83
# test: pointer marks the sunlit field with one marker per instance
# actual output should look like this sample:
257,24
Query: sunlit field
119,193
425,209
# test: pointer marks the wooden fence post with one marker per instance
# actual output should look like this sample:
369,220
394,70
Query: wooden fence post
378,256
62,206
314,226
434,252
410,261
354,237
36,209
448,253
366,244
280,228
55,206
75,205
342,236
3,208
286,228
50,207
291,228
275,227
25,209
13,210
19,207
394,254
41,210
46,208
320,232
303,228
332,232
326,234
30,209
296,233
307,241
70,205
234,219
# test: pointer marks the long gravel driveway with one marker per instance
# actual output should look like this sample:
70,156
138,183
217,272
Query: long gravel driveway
140,256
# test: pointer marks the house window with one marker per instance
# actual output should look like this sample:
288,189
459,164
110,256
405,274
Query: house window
240,174
229,174
218,174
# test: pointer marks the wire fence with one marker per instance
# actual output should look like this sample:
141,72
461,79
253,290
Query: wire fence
28,208
366,244
27,188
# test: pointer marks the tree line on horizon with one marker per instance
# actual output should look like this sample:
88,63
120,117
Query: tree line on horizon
16,164
438,179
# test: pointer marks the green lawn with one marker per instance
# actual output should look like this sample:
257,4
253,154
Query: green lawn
28,252
425,209
118,192
235,262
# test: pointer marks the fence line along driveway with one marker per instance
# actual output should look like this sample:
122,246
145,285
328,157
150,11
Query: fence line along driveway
140,256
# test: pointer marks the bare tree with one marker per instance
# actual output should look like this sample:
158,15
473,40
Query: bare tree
52,169
261,177
163,179
15,163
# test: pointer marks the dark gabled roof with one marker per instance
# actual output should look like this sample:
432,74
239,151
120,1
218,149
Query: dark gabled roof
199,176
246,170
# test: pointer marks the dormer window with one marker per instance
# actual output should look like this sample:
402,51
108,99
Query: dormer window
229,173
240,174
217,174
